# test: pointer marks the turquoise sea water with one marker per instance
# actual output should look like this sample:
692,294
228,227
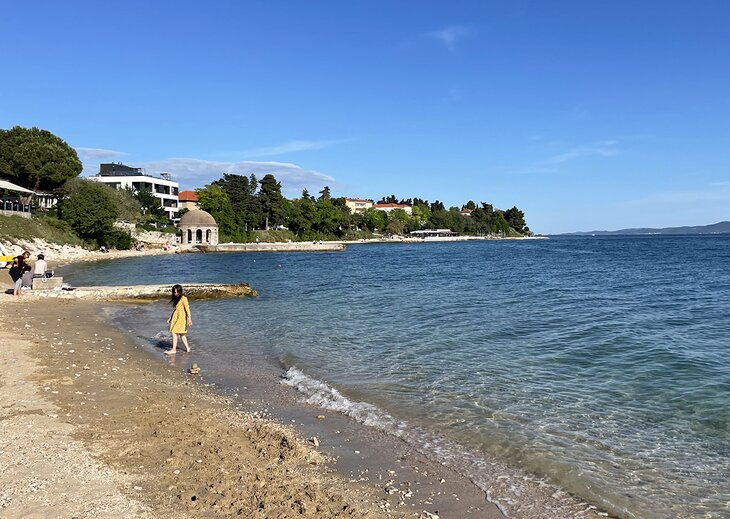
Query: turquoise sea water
599,364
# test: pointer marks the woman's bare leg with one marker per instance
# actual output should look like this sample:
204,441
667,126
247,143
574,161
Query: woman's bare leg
185,342
174,345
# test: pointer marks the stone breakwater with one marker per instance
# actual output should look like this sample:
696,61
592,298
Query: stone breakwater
147,293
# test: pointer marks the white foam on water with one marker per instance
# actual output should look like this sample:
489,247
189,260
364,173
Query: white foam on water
162,334
513,492
318,393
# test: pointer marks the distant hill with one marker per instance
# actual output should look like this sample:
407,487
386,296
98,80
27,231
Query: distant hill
715,228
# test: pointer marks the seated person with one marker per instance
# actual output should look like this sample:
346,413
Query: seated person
40,268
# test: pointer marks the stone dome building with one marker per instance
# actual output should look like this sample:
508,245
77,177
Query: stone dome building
198,227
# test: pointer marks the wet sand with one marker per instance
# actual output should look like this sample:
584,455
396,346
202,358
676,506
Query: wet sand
93,426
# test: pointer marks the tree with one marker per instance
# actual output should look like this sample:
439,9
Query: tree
374,219
470,205
128,207
241,191
272,202
399,215
325,194
215,201
89,208
437,206
328,216
516,219
236,187
151,207
392,199
419,216
36,159
395,227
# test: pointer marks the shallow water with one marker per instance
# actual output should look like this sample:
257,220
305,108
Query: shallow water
602,364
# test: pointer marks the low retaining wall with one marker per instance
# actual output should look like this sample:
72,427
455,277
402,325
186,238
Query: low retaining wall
274,247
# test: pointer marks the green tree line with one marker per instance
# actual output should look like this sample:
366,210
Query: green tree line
243,204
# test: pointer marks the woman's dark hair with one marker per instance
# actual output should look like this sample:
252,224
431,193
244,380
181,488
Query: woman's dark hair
177,292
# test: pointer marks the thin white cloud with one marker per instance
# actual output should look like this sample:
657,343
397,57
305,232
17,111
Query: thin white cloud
293,146
450,35
605,148
193,173
98,153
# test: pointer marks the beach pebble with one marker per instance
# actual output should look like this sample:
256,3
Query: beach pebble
314,441
320,417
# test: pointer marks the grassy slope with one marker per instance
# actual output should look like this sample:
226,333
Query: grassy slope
14,228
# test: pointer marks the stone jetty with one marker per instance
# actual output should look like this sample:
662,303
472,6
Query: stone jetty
146,293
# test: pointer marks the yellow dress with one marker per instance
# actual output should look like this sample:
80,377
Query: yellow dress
179,319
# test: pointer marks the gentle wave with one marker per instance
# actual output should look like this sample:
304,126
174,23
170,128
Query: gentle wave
318,393
512,491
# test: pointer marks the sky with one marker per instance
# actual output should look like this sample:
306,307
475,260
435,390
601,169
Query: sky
585,115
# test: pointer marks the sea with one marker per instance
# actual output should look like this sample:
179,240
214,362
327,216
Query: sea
597,365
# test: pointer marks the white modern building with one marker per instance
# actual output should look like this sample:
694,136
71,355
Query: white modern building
120,176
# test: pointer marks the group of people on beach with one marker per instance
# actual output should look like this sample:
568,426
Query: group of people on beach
22,272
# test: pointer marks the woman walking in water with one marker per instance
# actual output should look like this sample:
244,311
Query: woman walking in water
180,319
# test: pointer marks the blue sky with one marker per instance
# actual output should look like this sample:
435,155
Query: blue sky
585,115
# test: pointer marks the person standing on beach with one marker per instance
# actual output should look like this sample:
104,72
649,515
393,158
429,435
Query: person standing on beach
20,266
180,319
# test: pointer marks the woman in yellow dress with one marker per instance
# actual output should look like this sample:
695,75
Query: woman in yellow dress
180,319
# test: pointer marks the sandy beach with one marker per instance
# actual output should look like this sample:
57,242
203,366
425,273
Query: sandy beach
95,427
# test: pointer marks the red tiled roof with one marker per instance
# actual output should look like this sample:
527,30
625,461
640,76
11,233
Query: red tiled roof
188,196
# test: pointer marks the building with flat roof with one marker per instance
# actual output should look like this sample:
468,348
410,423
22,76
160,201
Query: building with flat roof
121,176
358,205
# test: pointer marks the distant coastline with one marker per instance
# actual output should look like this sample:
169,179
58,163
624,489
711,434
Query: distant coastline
716,228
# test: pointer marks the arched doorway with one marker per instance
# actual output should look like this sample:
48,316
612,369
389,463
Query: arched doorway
198,236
